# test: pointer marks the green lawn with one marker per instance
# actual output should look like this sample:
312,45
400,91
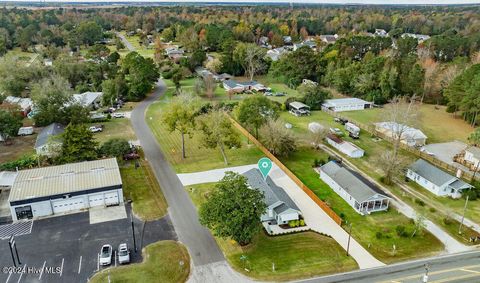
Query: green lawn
141,49
198,157
20,55
115,128
140,185
295,256
164,261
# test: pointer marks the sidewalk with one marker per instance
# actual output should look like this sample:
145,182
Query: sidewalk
211,176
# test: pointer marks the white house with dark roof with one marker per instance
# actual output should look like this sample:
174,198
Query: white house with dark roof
280,207
346,104
358,192
436,180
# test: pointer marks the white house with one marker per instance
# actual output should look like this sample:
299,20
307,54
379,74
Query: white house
329,38
25,104
280,207
346,104
472,156
360,194
345,147
436,180
49,140
89,99
61,189
381,33
276,53
299,109
409,136
419,37
233,85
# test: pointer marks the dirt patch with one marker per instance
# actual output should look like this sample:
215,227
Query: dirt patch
19,146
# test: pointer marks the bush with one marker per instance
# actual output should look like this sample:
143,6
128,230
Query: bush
447,221
302,222
472,194
400,229
419,202
379,235
292,223
24,162
432,209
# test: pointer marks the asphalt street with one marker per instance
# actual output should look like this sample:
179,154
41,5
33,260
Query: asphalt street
200,243
127,43
65,248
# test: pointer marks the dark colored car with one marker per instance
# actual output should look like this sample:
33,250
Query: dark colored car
131,156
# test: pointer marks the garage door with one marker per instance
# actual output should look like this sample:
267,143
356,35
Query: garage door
95,200
111,198
69,204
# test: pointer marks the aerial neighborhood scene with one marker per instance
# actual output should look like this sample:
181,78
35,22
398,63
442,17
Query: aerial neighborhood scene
240,141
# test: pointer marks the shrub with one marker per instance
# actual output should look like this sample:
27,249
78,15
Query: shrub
447,221
292,223
400,229
379,235
432,209
302,222
419,202
472,194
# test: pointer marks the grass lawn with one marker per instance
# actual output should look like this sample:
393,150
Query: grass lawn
140,185
164,261
295,256
437,124
20,146
141,49
20,55
198,157
115,128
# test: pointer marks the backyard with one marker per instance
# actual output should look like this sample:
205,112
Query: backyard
286,253
147,52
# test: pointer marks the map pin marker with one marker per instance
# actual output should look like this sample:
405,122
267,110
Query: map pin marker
265,165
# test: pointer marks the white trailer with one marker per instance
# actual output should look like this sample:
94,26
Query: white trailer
353,130
25,131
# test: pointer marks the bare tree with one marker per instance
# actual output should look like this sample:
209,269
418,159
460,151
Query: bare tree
420,225
401,114
250,57
317,136
277,139
209,86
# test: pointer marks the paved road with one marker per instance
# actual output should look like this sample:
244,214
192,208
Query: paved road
463,267
127,44
201,244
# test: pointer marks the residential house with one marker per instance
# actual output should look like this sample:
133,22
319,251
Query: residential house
346,104
287,39
381,33
409,136
233,85
472,156
436,180
276,53
309,43
299,109
419,37
280,207
329,38
263,40
25,104
174,53
49,140
91,100
345,147
358,192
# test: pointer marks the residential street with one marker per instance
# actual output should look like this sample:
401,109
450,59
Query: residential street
201,245
127,44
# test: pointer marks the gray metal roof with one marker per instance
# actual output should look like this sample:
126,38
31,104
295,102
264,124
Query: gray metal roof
7,178
272,192
298,105
351,183
64,179
474,150
434,174
87,98
50,130
344,101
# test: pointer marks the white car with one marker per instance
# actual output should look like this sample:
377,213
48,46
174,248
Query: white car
123,254
95,129
118,115
106,255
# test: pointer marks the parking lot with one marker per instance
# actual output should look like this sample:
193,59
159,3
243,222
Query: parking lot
66,248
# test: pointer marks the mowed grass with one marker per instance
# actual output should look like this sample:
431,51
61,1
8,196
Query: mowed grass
294,256
115,128
435,122
164,261
198,157
140,185
143,50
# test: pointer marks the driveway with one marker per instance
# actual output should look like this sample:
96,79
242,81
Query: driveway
314,216
65,248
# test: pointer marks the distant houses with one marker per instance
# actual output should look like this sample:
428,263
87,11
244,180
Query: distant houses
203,73
409,136
346,104
345,147
329,38
235,86
419,37
25,104
49,140
359,193
436,180
276,53
380,33
299,109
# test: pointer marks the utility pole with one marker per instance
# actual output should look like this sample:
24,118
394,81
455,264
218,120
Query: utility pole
463,216
349,236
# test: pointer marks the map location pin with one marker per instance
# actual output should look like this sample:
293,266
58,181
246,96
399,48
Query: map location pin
264,165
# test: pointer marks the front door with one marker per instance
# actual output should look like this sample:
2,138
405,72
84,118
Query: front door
24,212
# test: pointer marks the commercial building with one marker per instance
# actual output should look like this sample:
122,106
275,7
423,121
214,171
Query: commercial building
346,104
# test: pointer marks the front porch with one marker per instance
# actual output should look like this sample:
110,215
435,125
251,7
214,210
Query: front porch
367,207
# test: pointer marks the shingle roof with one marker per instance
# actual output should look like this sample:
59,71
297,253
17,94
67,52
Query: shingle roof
434,174
272,192
63,179
50,130
87,98
352,184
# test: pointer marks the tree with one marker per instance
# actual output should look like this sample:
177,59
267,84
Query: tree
189,39
89,32
10,124
250,56
208,86
218,132
180,116
277,139
119,44
317,136
420,225
116,147
233,209
296,66
214,65
78,144
314,96
254,111
474,137
140,75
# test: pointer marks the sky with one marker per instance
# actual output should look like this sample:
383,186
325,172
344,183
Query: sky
383,2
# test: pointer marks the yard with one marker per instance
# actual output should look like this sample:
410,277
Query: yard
198,157
140,185
164,261
20,146
294,256
115,128
147,52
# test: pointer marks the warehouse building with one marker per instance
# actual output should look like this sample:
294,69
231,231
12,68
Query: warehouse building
65,188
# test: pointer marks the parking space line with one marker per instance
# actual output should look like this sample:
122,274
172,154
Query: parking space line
80,265
8,278
115,257
41,271
61,269
98,262
21,274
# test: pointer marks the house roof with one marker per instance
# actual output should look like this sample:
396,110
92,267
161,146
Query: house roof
63,179
24,103
408,132
273,194
231,83
344,101
7,178
435,175
474,150
50,130
298,105
87,98
359,189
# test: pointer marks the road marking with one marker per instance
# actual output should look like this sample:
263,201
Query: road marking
21,274
80,265
98,262
115,257
41,271
8,278
61,269
450,279
468,270
419,275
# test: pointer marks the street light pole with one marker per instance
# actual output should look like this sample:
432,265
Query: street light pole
463,216
349,236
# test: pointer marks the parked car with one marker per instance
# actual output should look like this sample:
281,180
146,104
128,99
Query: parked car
118,115
131,156
106,255
340,120
336,131
96,128
268,93
123,254
279,94
25,131
98,116
109,110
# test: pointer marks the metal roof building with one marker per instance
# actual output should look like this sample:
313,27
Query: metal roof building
346,104
58,189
